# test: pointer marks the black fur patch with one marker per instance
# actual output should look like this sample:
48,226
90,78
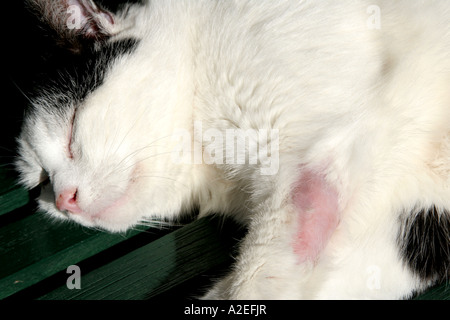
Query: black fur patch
73,79
424,242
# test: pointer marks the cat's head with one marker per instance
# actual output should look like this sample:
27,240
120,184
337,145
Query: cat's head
97,136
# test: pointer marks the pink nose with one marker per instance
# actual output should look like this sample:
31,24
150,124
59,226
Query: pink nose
67,201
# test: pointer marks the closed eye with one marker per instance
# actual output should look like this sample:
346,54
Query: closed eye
69,147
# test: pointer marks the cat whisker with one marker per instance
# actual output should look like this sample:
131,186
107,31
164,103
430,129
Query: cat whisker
150,145
160,177
135,152
116,168
157,224
21,91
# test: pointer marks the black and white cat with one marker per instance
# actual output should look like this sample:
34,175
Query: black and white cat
323,126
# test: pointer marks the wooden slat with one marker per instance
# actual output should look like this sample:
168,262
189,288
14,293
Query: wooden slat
54,261
12,196
33,238
159,266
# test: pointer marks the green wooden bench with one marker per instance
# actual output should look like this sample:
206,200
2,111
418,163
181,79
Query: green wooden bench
140,264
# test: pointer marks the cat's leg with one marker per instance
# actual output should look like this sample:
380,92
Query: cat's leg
287,234
265,265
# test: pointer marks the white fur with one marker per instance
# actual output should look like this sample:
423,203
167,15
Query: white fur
369,107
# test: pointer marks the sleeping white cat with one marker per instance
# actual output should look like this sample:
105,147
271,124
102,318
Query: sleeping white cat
355,93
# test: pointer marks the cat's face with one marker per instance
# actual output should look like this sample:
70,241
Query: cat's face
97,138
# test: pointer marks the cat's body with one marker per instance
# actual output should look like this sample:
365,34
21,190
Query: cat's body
346,109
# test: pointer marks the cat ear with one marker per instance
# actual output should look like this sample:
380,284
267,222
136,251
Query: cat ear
75,22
